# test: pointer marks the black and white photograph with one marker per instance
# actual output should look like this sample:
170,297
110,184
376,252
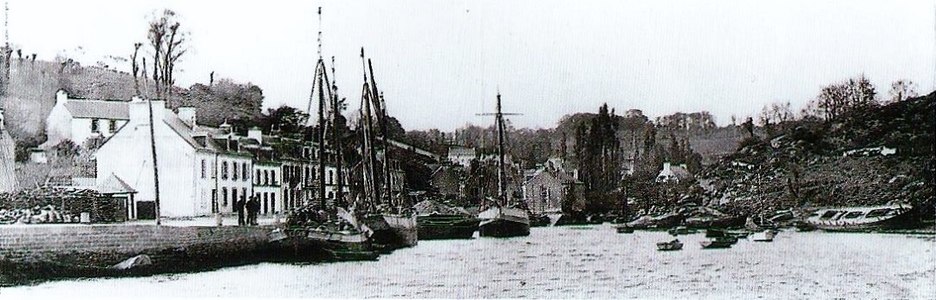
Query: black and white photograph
468,149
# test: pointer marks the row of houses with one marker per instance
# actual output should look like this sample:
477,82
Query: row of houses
202,170
543,188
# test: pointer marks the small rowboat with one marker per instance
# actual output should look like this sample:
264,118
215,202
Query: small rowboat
670,246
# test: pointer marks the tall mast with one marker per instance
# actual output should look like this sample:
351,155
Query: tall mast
321,116
501,188
368,147
337,135
382,122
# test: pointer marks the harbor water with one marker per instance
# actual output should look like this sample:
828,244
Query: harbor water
567,262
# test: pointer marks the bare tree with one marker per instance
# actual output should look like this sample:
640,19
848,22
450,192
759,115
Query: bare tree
136,67
839,98
902,90
168,42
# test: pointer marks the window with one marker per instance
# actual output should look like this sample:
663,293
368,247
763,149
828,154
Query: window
245,172
214,169
266,198
94,126
244,193
266,177
273,202
224,170
224,198
273,176
233,195
235,171
257,179
331,177
203,168
112,126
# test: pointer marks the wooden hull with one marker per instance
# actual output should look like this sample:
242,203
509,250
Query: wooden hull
866,219
670,246
715,244
437,227
392,232
504,222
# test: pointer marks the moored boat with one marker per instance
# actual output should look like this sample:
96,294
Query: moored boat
623,228
503,222
446,226
763,236
718,243
670,246
392,231
502,217
860,219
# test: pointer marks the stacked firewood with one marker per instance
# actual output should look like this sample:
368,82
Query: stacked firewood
57,205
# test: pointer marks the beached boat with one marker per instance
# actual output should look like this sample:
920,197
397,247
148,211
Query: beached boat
670,246
711,233
869,218
501,216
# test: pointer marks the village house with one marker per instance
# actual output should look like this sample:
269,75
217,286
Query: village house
202,165
545,189
78,119
673,174
462,155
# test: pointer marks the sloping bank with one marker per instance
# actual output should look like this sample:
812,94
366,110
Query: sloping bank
30,253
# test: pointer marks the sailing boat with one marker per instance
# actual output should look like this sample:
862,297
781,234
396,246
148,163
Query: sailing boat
339,234
393,225
499,217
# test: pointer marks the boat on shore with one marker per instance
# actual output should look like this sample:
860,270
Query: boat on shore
862,219
673,245
539,220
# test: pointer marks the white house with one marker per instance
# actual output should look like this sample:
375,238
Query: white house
674,174
462,155
201,171
78,119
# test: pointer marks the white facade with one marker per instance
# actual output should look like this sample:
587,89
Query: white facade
267,181
79,119
192,180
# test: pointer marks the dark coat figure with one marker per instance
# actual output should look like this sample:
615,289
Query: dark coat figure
239,209
253,206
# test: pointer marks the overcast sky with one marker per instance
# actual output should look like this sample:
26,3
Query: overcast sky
439,62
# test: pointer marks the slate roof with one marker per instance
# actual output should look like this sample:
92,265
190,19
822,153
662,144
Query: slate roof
98,109
115,185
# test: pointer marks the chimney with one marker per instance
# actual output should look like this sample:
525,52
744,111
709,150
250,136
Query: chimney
139,110
60,97
187,114
256,134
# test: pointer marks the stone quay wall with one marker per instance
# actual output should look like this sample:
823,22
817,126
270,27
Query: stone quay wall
29,252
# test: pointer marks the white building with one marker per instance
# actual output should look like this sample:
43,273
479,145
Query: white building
78,119
201,172
674,174
462,155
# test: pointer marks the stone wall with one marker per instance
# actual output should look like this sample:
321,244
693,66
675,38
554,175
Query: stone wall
47,251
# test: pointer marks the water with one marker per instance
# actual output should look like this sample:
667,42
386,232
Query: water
568,262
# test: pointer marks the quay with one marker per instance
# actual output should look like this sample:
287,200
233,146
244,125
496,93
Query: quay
52,251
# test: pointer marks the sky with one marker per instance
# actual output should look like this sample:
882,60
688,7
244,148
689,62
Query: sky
440,63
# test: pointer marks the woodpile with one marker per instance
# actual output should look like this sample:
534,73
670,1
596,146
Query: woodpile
58,205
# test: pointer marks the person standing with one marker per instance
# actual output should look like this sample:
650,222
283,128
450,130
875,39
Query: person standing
252,209
239,208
